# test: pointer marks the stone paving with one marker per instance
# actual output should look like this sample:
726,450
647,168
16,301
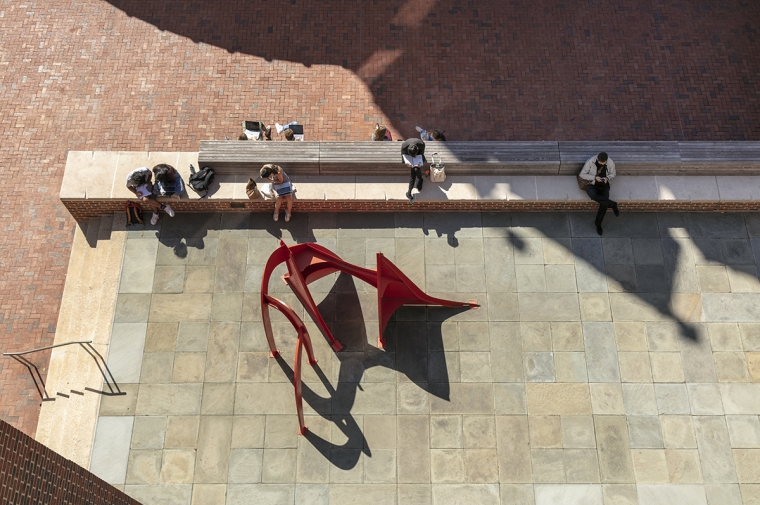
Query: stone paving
145,75
598,371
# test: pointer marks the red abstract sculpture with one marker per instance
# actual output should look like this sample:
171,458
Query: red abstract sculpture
308,262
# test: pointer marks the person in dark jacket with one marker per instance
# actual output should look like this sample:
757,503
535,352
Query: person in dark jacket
412,154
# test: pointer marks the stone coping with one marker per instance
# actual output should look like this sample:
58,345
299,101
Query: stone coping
98,176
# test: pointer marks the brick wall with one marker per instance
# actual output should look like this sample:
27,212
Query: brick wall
30,473
85,209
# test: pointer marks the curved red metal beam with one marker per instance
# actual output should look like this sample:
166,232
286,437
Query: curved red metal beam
308,262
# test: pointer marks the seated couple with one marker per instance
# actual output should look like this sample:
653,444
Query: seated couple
168,183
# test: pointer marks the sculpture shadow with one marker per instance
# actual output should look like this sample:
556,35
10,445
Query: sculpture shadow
414,348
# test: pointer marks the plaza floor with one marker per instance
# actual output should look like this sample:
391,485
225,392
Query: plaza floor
597,371
162,76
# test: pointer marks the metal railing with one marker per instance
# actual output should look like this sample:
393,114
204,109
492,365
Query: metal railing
113,387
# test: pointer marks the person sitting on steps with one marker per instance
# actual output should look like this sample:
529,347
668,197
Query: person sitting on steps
139,183
600,170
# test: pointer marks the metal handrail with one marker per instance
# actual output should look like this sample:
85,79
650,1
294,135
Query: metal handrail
48,347
90,349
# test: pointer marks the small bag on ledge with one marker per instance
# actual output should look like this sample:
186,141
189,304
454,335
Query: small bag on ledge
251,190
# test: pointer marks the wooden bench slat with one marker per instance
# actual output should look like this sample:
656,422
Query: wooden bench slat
484,158
632,158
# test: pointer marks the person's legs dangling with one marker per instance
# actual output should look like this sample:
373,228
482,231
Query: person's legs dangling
412,176
601,195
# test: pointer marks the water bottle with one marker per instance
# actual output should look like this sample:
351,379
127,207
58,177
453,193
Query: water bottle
192,168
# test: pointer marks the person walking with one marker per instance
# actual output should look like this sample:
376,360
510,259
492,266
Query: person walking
413,156
599,170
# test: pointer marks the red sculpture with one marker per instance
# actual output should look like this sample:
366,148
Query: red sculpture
308,262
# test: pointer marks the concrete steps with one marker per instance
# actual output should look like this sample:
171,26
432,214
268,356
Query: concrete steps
67,425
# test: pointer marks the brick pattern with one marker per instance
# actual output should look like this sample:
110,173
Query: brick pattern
31,473
85,209
161,76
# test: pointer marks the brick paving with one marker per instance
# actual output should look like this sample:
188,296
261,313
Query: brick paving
142,75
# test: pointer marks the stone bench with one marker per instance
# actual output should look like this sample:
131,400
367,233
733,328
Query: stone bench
94,185
484,158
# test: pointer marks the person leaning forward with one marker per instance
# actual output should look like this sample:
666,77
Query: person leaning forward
413,156
599,170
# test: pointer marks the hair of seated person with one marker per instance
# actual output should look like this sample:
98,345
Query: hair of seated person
268,170
243,136
289,135
380,132
162,171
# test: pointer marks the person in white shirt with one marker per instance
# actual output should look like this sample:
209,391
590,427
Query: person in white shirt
139,183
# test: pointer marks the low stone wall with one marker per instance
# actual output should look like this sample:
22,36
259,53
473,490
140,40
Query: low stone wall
82,209
94,185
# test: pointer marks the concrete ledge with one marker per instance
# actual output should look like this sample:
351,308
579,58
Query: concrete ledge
93,185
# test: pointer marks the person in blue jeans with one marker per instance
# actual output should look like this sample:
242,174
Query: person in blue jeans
168,180
430,136
600,170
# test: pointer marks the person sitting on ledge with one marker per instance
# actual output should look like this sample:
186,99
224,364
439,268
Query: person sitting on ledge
431,136
168,180
413,156
381,133
139,183
600,170
281,185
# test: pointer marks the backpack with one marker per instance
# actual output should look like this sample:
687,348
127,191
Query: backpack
201,180
133,209
251,190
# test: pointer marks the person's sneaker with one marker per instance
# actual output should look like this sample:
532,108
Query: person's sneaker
169,210
154,219
418,128
615,209
410,197
599,229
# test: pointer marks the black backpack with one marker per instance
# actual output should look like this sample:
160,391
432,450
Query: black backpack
201,180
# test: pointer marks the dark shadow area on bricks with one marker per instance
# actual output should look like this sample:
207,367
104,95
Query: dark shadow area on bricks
538,70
